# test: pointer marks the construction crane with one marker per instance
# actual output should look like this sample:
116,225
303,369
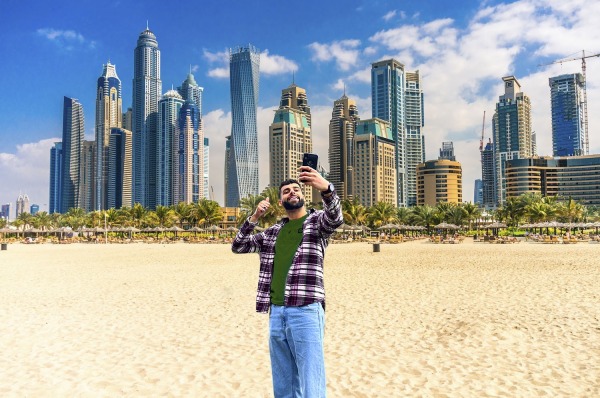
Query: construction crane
482,133
586,143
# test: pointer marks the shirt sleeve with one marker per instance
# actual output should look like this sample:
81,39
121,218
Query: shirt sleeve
245,241
331,217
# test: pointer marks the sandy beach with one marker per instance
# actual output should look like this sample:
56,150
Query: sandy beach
414,320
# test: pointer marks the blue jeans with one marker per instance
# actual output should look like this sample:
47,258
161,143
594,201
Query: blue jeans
296,346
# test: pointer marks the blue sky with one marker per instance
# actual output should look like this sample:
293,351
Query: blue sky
52,49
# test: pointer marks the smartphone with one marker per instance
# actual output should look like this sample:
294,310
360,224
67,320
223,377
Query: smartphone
310,159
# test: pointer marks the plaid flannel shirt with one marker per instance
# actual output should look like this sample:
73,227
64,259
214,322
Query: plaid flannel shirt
304,283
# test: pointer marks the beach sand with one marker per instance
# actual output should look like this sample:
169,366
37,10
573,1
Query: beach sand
414,320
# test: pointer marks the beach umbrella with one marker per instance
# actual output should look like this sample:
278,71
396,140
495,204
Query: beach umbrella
213,229
175,229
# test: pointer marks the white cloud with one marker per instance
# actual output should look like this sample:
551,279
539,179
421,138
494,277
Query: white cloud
195,68
269,64
66,39
276,64
26,171
345,53
389,15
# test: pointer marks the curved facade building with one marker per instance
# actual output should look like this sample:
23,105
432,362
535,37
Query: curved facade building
242,159
147,90
576,177
439,181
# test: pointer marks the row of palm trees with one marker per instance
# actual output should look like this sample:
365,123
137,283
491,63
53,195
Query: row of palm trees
529,208
202,214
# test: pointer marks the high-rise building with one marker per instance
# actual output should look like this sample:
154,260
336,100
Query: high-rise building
513,137
5,212
568,177
147,90
168,113
439,181
290,137
227,162
388,88
447,151
190,91
242,177
109,114
72,141
341,146
189,155
88,187
374,163
415,140
34,209
128,119
207,189
478,192
120,148
568,125
56,164
488,176
22,204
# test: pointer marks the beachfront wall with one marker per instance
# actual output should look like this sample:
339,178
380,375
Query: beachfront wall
577,177
439,181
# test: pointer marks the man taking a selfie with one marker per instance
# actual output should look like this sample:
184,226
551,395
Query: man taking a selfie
290,282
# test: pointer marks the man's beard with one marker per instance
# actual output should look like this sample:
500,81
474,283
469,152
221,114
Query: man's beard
293,206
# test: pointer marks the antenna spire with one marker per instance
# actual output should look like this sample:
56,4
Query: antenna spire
147,28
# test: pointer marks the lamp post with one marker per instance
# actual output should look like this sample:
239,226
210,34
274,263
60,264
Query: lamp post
105,230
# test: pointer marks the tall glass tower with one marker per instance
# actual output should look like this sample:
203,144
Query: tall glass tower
415,140
513,138
109,114
388,103
189,155
169,107
242,168
56,163
147,90
566,94
72,141
191,91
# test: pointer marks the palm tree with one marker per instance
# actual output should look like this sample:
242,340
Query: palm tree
248,205
137,214
42,220
275,211
472,213
354,212
382,213
165,216
403,215
26,219
183,212
3,222
456,215
443,209
115,217
206,212
74,217
424,215
570,210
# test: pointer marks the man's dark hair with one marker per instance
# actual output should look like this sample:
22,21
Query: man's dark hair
287,182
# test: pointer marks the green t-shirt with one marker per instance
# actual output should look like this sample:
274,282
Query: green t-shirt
287,243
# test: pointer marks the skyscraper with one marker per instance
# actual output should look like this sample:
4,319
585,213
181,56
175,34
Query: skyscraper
513,137
147,90
56,164
34,209
207,189
109,114
5,212
290,137
342,127
566,95
447,151
242,177
190,91
375,176
119,169
415,140
189,154
388,103
439,181
478,192
72,141
488,176
22,204
88,175
168,113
